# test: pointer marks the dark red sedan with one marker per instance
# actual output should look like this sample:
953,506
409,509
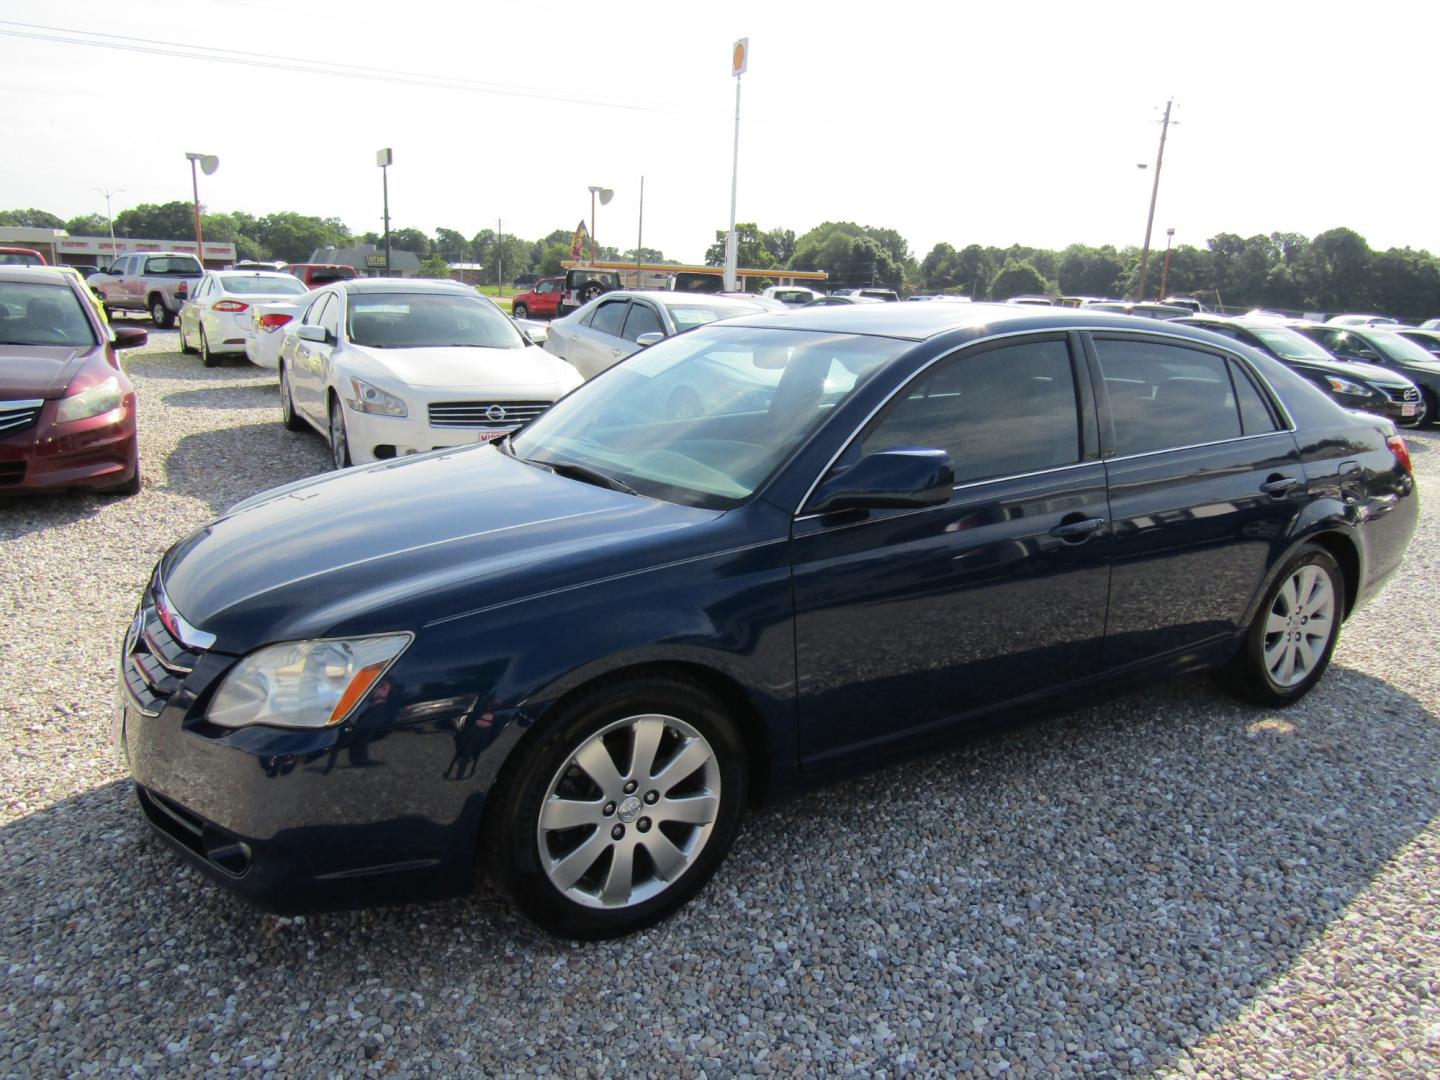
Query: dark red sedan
67,411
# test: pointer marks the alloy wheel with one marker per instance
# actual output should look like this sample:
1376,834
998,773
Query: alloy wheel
1300,625
629,812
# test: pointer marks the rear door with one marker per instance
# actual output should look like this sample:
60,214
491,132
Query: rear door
1205,483
599,344
909,621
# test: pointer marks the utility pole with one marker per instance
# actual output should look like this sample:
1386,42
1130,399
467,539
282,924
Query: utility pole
500,255
1165,273
739,60
640,234
1154,193
110,220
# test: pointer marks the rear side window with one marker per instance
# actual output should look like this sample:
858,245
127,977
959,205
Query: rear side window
1166,396
1002,412
609,317
1255,416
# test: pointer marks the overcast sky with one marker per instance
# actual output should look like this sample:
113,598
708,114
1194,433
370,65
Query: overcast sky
993,124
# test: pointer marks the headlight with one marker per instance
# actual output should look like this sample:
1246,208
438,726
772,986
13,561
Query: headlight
303,684
100,398
372,399
1345,386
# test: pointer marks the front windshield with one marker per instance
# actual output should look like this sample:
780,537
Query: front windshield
1288,344
42,314
251,285
705,418
429,320
1400,349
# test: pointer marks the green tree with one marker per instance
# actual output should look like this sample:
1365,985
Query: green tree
295,237
30,219
434,267
849,255
1089,271
152,221
781,245
750,249
452,245
88,225
1018,278
410,240
1333,272
1406,283
550,260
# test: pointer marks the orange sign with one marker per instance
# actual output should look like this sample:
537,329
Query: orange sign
739,55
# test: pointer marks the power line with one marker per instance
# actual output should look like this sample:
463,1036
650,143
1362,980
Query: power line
184,50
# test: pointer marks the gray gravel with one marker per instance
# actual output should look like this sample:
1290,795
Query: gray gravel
1169,884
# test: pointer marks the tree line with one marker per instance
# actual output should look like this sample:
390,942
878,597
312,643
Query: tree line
1334,271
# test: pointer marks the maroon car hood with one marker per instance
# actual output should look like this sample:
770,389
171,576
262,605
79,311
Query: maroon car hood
39,371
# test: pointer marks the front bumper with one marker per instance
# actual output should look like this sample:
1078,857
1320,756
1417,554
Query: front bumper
291,820
97,452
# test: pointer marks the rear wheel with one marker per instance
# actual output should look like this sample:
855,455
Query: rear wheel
287,404
589,292
520,311
621,810
208,358
162,316
1293,635
185,346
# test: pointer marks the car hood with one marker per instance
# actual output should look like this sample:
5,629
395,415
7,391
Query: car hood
1355,369
39,371
478,369
400,544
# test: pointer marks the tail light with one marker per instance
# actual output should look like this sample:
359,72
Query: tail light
230,305
1401,452
272,321
181,291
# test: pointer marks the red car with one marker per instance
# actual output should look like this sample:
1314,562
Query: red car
543,299
316,274
18,256
67,411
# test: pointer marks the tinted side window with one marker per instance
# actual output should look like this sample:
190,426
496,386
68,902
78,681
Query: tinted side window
330,317
1164,396
642,320
1255,415
317,309
1001,412
609,317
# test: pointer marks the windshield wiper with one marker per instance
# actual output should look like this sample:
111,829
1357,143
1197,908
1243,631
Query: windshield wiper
577,471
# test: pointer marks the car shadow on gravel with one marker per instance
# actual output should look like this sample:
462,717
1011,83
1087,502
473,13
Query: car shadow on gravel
222,467
24,514
1089,894
264,395
154,364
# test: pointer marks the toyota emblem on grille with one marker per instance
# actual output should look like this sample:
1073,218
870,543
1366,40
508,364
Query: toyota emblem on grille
495,414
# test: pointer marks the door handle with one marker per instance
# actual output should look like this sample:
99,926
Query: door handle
1280,485
1076,531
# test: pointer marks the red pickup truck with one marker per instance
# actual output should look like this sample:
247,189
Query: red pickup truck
543,299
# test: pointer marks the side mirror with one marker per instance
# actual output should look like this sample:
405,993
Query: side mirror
646,340
317,334
907,477
128,337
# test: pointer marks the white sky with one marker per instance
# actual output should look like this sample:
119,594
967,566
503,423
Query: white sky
969,123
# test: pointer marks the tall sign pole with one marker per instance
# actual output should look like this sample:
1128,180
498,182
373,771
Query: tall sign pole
208,164
385,158
1154,193
739,59
640,233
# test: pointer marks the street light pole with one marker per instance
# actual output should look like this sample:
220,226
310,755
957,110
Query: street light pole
208,164
1154,193
385,158
1165,273
606,194
739,60
109,219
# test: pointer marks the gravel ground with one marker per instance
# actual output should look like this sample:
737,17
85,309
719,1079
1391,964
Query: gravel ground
1171,884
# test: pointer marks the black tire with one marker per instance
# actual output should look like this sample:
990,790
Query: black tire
1431,404
511,844
185,346
339,437
131,486
288,417
520,311
162,316
208,358
1248,675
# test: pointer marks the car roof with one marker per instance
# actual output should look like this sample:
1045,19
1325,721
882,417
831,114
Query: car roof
400,285
670,299
51,274
252,273
919,322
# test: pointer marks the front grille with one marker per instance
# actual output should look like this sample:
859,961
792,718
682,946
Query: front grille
1401,393
155,660
17,415
11,472
476,414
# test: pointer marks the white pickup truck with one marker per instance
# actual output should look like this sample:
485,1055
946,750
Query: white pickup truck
155,281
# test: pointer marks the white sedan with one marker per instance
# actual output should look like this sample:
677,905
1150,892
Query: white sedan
616,324
386,367
219,317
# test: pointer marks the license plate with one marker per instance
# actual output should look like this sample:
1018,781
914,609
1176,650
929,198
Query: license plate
1407,410
490,436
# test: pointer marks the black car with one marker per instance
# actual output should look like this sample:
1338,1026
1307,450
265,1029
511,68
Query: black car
1353,384
1429,340
574,657
1382,345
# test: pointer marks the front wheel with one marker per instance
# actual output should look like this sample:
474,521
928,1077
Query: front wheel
162,316
1293,635
339,441
185,346
621,810
1430,406
520,311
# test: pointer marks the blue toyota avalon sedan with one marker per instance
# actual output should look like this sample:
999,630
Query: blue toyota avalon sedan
750,558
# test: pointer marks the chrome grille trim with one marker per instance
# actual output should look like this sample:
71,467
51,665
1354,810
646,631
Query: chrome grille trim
1401,393
155,661
483,414
15,415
